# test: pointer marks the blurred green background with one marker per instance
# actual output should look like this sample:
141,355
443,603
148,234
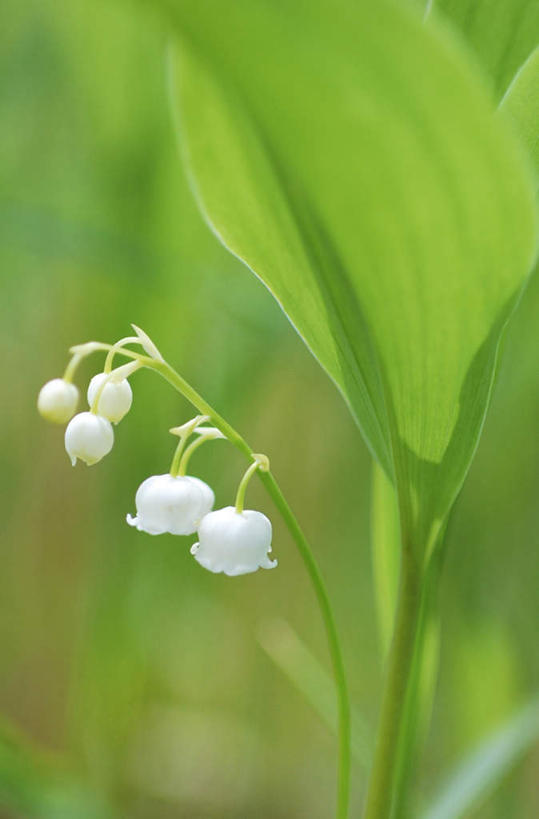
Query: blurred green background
133,683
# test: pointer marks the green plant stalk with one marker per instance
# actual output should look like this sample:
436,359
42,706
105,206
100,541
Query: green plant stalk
184,388
242,488
386,764
176,460
166,371
182,467
418,705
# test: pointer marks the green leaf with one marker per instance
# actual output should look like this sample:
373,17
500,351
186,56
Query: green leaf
483,769
521,104
502,33
351,158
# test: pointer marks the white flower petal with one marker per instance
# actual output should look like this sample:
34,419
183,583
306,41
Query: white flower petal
171,504
234,542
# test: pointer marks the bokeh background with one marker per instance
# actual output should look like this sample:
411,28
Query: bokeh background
133,683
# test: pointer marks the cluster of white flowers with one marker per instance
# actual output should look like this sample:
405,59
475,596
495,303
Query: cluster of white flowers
89,435
232,540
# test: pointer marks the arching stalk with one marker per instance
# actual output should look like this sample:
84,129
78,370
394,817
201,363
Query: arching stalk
184,388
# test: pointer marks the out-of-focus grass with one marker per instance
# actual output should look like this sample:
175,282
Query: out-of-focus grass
117,652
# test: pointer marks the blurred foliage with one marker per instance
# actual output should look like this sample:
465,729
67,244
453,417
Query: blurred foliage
138,671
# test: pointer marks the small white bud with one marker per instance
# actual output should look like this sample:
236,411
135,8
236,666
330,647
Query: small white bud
234,542
57,400
115,400
171,504
89,437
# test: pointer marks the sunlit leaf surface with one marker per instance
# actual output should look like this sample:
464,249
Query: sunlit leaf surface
501,32
521,104
351,158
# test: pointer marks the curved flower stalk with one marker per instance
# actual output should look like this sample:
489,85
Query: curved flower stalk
231,540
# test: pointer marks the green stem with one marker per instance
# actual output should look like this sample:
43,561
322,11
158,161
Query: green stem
423,675
242,488
176,460
332,636
116,348
71,368
188,452
182,386
393,711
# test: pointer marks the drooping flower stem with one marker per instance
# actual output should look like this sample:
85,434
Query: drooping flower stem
176,460
71,367
260,462
335,651
184,432
343,704
117,348
179,383
182,469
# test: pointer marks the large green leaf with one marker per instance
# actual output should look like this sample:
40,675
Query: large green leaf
521,105
351,158
502,33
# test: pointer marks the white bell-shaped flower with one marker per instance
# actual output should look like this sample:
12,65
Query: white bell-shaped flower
57,400
234,542
88,437
115,399
171,504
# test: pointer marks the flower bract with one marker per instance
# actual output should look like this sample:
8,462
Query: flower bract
57,400
115,399
234,542
88,437
171,504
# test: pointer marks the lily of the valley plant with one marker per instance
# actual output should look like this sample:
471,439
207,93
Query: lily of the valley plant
380,181
233,540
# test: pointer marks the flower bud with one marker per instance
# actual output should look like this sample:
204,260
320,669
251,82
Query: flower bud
57,400
115,399
171,504
234,542
88,437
